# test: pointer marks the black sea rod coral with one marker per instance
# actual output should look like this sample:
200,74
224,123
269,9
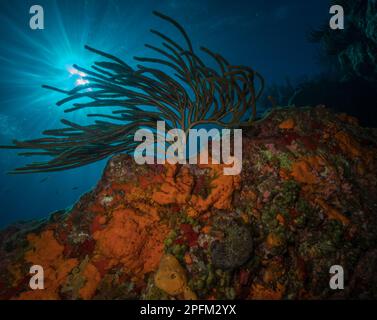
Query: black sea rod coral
193,94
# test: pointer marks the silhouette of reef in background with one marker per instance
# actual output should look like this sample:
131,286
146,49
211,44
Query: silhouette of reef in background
348,64
354,47
306,200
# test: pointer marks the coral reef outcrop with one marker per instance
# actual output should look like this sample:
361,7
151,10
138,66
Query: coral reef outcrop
305,200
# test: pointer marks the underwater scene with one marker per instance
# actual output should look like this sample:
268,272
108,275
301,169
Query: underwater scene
188,150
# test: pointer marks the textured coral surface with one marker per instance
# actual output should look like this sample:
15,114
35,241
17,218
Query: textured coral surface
304,201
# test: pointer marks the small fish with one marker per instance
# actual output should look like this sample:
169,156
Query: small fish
43,180
75,188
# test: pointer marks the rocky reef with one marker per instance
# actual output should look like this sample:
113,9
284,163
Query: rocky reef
306,200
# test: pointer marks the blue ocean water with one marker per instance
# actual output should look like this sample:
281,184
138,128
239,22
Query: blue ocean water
269,36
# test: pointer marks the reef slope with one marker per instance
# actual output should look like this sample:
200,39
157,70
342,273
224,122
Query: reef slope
306,200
